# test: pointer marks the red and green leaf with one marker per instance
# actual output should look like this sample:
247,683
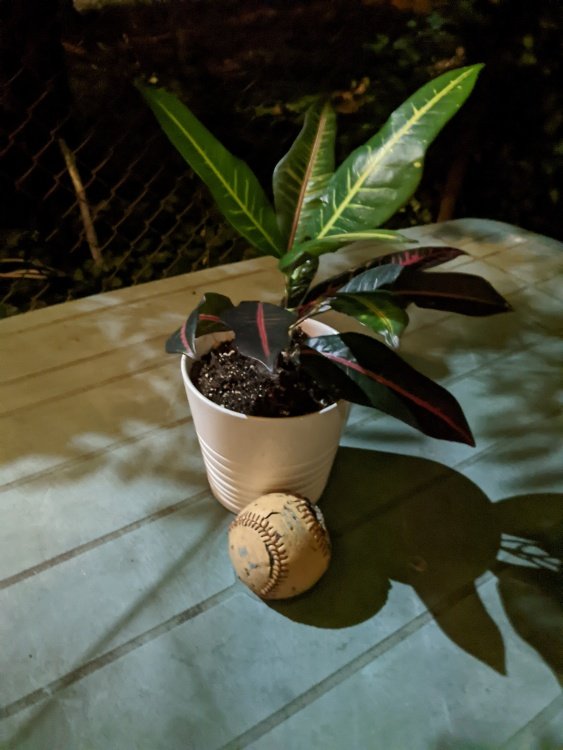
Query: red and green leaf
456,292
177,343
301,177
203,320
423,257
417,258
380,378
261,330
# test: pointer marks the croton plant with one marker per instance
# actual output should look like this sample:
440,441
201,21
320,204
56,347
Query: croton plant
319,208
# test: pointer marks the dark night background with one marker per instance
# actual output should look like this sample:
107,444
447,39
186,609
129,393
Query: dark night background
248,70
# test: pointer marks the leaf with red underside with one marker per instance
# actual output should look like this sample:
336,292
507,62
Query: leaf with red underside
461,293
204,319
380,378
419,257
261,330
423,257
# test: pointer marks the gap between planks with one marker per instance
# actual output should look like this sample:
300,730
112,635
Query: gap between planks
92,454
81,549
297,704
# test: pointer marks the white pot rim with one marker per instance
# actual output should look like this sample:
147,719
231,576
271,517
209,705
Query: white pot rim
186,363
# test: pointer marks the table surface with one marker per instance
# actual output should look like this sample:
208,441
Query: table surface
439,623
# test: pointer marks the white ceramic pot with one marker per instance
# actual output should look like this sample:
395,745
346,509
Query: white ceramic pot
246,457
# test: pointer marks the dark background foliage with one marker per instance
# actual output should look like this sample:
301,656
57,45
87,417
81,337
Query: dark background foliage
248,69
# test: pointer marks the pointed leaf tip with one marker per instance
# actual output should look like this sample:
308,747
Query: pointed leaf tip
301,176
201,321
234,186
389,384
177,343
261,330
379,177
463,293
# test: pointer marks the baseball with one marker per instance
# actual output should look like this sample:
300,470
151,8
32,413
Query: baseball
279,545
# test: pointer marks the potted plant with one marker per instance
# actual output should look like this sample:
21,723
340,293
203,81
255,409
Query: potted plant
268,392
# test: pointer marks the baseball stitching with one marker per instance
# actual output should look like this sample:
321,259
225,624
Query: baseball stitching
312,521
273,543
274,546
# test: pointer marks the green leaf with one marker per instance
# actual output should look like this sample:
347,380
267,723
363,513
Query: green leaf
318,247
301,177
232,183
461,293
373,279
378,311
380,378
299,279
380,176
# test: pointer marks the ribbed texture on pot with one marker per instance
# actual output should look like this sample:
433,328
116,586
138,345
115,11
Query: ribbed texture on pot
235,486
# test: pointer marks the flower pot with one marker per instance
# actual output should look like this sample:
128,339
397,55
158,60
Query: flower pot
246,457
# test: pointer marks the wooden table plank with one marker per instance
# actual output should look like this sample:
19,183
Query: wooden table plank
134,483
113,569
195,671
420,694
83,337
111,593
52,433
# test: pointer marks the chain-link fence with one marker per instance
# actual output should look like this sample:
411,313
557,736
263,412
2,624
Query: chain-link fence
94,197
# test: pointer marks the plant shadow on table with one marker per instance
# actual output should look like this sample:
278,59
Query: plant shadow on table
438,538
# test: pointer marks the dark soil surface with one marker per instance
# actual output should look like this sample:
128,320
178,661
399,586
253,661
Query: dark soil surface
244,385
